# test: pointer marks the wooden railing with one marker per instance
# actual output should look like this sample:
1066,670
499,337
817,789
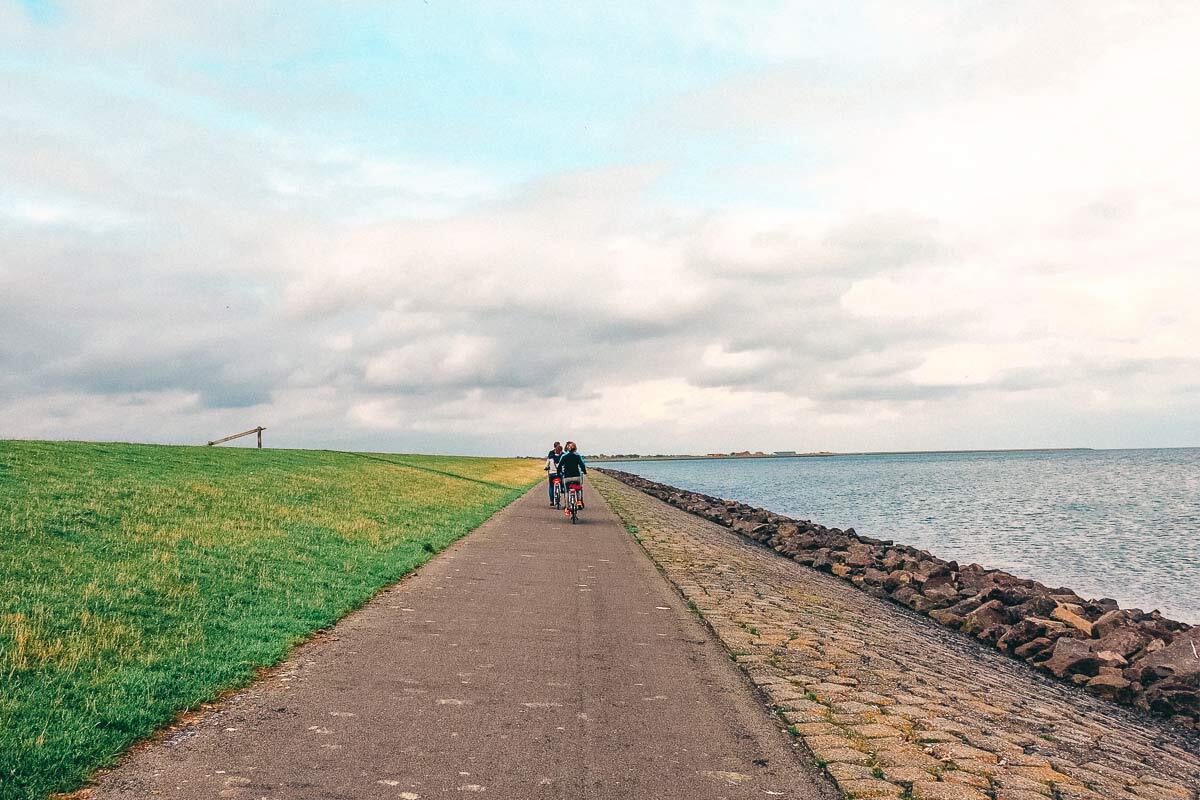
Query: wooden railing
257,430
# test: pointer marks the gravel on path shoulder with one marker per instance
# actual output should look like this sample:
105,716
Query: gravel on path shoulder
890,704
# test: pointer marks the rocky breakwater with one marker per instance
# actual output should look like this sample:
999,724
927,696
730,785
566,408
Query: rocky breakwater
1125,655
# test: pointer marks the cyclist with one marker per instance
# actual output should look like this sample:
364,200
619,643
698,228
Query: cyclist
552,459
572,468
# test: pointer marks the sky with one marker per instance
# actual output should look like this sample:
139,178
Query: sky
478,227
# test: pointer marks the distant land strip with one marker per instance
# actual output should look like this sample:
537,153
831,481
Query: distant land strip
830,454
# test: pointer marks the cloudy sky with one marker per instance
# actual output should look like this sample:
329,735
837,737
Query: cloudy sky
477,227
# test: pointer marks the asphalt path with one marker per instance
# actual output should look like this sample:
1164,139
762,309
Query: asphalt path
532,659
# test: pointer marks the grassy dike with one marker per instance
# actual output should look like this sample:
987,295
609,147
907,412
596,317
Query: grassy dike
140,580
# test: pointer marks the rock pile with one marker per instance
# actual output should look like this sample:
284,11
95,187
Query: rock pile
1125,655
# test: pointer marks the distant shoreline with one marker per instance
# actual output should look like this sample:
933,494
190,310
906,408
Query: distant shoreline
823,454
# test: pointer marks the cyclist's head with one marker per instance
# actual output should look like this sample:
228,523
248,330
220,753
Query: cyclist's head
571,447
558,447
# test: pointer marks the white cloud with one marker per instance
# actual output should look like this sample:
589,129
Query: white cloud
455,360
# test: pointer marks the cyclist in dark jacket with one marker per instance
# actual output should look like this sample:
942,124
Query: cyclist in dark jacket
572,468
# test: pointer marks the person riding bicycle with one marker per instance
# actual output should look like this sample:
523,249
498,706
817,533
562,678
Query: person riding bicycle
552,459
572,468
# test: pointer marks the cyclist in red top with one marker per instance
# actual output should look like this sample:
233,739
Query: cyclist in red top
572,468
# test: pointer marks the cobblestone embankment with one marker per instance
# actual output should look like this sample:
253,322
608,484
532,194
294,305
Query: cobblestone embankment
1125,655
893,705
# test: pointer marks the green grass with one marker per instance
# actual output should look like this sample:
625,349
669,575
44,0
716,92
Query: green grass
137,581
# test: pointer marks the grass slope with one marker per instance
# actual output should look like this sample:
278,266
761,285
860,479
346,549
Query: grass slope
139,580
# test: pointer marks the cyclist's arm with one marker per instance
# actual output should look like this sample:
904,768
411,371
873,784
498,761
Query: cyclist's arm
582,465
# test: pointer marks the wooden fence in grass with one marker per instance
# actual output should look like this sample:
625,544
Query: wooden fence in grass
257,430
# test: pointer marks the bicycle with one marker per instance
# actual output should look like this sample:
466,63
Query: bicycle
574,498
556,482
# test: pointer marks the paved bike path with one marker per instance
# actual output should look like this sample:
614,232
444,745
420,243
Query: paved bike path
532,659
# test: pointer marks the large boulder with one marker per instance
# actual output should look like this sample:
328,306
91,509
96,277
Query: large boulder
893,559
905,595
1109,621
1073,616
990,613
966,605
860,555
788,529
1035,606
992,633
1180,659
947,617
1028,629
896,579
1072,657
940,594
1033,648
1113,687
934,567
874,577
1125,640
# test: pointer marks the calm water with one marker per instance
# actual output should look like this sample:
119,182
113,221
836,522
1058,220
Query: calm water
1107,523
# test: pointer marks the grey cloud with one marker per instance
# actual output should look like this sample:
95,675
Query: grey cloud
895,392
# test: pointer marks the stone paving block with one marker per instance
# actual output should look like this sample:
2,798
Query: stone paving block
1167,788
986,769
965,778
845,755
907,755
841,771
801,715
870,789
902,776
1045,774
905,710
1008,780
946,791
873,698
1077,793
829,742
1160,793
956,751
881,744
850,719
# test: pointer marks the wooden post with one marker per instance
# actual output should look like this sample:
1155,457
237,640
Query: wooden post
260,430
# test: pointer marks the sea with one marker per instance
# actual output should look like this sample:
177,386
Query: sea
1123,524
